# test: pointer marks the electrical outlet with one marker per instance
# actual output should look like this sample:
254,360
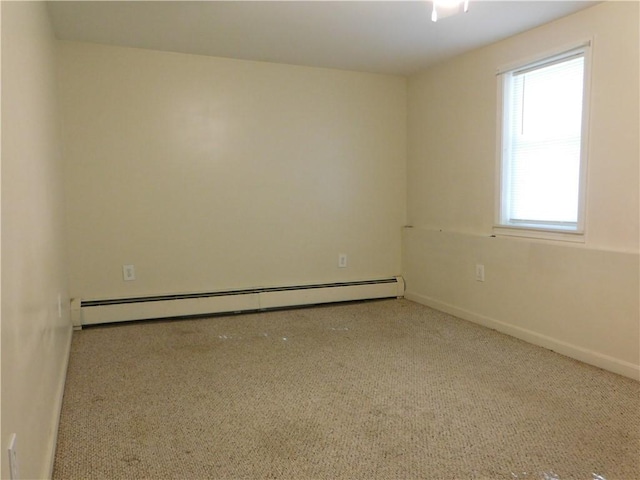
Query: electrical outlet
480,273
59,305
342,260
128,273
13,458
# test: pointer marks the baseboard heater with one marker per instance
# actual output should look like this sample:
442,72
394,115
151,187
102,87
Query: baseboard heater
92,312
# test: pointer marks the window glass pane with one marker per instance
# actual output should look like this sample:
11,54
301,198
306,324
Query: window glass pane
552,98
541,180
545,178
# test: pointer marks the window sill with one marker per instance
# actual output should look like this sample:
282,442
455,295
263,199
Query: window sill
538,233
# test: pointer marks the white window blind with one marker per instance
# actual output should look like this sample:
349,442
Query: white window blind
542,137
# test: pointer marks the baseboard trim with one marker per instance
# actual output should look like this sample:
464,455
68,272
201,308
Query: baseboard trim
591,357
53,440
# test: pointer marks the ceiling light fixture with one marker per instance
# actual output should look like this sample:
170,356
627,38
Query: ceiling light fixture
447,8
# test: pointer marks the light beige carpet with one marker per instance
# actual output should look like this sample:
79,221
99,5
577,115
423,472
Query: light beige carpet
377,390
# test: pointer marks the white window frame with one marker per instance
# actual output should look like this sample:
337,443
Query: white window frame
540,230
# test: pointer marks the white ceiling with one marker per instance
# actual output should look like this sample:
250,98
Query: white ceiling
394,37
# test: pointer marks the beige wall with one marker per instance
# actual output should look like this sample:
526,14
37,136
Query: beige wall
210,173
35,340
581,299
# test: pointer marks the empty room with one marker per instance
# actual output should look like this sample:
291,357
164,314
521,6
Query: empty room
320,239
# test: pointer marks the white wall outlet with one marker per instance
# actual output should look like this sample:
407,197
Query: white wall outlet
480,273
342,260
128,273
13,458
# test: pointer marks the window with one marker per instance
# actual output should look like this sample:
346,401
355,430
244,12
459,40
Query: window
543,144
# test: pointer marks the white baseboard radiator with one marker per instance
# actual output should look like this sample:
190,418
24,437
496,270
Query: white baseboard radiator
92,312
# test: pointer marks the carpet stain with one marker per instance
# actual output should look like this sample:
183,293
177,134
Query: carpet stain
131,459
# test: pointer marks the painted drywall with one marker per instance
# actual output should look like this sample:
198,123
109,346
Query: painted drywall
211,173
35,338
580,299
